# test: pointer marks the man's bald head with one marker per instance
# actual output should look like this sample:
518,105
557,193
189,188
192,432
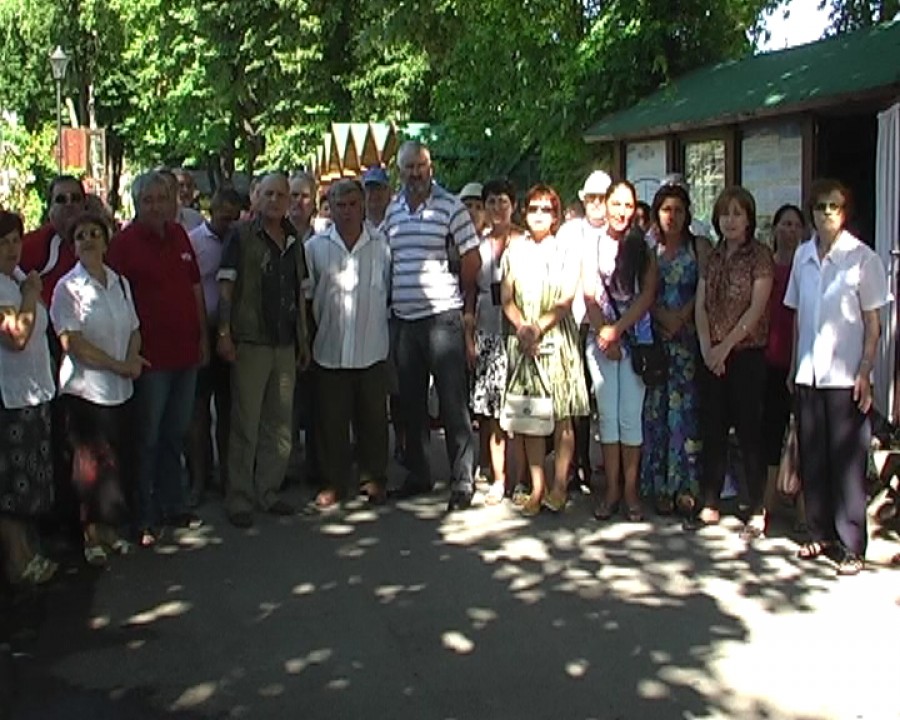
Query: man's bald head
273,196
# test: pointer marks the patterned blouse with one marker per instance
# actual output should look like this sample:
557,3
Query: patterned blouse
729,289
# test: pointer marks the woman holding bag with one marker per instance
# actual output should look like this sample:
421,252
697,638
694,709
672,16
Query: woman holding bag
619,288
539,280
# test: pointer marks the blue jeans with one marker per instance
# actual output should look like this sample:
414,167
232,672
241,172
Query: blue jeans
435,345
164,405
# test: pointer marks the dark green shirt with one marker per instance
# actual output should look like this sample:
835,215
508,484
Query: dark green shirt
268,284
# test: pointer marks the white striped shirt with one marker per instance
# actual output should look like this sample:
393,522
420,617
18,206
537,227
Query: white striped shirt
350,290
421,282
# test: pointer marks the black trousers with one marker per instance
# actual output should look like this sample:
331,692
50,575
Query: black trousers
833,437
357,397
582,425
733,400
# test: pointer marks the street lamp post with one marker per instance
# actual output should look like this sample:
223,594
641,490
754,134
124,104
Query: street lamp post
59,61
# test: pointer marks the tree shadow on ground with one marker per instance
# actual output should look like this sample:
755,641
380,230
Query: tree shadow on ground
406,612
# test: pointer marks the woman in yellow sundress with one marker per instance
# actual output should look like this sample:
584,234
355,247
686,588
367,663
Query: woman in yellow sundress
539,281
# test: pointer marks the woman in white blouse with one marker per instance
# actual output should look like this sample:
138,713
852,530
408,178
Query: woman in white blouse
837,286
94,315
26,388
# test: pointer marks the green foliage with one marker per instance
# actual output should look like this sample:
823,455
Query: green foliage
848,15
26,164
229,85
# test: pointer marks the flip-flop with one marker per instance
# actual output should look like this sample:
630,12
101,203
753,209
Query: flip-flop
813,549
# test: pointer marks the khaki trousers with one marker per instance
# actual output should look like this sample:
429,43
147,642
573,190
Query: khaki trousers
262,397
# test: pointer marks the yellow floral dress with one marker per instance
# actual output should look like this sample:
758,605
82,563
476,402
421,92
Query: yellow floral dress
542,274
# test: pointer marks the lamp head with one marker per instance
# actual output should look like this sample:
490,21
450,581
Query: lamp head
59,61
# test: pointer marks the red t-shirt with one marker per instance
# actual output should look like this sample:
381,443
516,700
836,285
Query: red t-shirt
781,321
162,273
51,256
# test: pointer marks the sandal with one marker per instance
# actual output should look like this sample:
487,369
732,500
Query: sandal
851,564
813,549
326,499
755,527
95,555
554,506
634,514
147,538
38,571
605,510
520,495
529,508
701,520
121,546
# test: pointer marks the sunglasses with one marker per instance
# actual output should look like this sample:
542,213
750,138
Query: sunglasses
542,209
68,199
592,198
92,233
829,206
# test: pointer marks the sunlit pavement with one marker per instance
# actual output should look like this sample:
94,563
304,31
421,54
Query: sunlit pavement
406,612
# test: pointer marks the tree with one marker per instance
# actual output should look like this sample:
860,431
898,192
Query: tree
848,15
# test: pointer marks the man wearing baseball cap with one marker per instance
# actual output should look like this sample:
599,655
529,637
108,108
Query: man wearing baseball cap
474,202
377,186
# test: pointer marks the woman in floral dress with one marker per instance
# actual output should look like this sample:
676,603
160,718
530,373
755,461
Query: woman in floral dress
670,462
539,280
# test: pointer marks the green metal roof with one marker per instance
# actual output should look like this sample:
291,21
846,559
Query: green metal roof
775,83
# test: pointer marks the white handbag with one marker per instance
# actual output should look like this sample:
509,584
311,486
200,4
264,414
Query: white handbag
528,414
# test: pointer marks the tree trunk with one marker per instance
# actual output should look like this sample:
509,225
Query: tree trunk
115,153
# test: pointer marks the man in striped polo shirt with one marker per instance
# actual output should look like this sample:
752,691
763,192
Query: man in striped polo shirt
435,263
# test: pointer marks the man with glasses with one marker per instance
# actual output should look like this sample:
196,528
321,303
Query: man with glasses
47,250
435,264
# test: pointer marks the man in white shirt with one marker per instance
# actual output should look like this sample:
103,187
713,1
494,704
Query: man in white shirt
349,267
580,236
435,263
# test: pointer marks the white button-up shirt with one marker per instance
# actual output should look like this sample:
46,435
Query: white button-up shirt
106,318
830,296
26,377
350,291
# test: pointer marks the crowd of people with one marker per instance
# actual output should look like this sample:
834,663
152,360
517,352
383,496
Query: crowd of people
181,341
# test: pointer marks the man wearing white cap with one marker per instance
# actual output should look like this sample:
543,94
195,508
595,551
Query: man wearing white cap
581,235
471,197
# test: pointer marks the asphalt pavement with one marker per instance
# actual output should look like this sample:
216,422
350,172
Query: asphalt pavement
403,611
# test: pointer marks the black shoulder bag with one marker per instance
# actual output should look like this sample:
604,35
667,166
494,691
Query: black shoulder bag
649,360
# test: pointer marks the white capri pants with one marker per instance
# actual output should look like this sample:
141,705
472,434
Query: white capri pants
620,396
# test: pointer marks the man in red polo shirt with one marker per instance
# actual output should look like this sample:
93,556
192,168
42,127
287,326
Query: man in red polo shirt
156,256
47,250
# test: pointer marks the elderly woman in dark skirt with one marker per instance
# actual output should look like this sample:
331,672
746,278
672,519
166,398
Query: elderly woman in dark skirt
26,388
94,315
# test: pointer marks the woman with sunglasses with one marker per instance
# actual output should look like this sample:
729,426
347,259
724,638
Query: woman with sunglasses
619,288
837,285
26,388
94,315
539,280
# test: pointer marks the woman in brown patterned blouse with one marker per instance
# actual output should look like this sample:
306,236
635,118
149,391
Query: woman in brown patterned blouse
731,313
